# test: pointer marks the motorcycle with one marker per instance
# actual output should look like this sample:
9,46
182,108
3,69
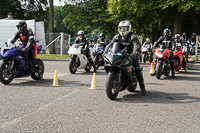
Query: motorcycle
16,65
121,73
178,57
146,55
192,48
97,52
162,61
78,59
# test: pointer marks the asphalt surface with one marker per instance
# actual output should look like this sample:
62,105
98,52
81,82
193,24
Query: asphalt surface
171,105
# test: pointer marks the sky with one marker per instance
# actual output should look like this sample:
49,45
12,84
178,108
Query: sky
58,3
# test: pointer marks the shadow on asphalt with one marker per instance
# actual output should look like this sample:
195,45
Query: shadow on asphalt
91,72
159,97
47,83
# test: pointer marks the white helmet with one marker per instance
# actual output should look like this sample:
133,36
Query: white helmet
81,32
127,25
148,40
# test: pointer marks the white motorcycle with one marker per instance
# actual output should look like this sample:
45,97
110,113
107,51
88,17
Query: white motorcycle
78,59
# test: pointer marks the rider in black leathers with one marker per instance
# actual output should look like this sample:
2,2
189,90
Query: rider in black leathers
180,40
26,36
102,39
169,42
129,40
81,39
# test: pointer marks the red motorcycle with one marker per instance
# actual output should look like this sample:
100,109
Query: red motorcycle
179,58
162,61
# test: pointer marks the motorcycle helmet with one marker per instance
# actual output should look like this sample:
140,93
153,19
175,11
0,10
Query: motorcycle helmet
147,40
177,37
81,32
167,32
21,24
102,35
124,27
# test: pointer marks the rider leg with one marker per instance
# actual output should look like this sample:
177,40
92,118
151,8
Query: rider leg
172,65
90,59
138,71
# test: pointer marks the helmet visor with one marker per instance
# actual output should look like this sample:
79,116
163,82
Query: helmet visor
124,28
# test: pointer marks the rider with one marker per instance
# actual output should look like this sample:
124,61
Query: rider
169,42
148,45
26,36
193,37
185,44
129,40
178,40
85,42
102,39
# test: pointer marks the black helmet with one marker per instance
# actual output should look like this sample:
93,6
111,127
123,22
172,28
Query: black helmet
22,24
177,37
102,34
167,32
193,34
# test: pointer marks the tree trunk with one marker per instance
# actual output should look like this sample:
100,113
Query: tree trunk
177,24
51,27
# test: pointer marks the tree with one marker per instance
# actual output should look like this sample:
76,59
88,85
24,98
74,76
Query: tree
51,26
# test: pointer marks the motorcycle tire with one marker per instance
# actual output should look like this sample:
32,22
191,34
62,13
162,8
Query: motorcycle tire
158,70
88,67
96,64
144,58
3,71
40,71
111,92
132,88
72,66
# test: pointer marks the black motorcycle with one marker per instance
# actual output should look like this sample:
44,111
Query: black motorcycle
121,73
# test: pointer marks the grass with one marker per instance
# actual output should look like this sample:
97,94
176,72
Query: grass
51,56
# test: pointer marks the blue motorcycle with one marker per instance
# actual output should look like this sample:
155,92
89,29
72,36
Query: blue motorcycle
16,64
97,52
192,48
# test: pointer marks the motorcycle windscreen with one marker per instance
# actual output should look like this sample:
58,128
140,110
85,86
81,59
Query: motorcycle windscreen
116,48
76,45
162,47
98,46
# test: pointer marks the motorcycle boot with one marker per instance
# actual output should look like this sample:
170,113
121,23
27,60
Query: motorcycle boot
140,80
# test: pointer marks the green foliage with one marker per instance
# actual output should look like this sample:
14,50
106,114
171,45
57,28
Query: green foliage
23,9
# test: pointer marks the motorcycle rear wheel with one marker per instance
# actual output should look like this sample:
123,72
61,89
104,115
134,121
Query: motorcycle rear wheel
111,92
6,76
39,72
88,67
132,88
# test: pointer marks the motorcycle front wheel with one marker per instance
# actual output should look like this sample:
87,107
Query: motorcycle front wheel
144,58
73,65
159,70
111,86
6,75
96,63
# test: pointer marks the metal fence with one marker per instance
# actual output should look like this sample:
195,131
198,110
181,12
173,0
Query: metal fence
60,41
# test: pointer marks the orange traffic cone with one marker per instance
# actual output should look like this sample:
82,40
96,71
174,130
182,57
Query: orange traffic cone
55,80
93,83
151,68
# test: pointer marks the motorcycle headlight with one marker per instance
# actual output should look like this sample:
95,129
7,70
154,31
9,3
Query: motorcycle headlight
160,55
